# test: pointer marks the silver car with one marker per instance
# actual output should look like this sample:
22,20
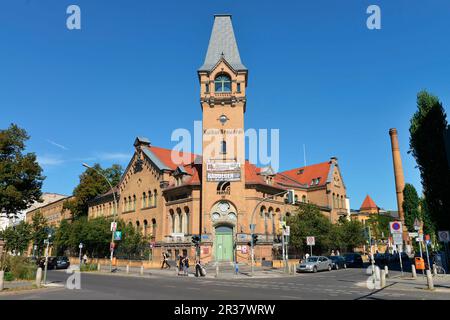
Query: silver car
314,264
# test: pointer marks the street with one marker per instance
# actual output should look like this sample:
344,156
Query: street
347,284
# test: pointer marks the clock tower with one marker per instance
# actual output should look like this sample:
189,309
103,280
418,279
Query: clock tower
223,82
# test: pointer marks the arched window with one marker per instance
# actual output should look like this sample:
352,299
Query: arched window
186,220
145,227
134,202
172,220
154,197
223,146
222,83
150,199
138,225
129,204
180,221
144,200
154,227
304,199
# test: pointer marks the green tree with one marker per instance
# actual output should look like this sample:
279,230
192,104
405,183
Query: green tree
427,145
17,238
350,235
132,243
62,234
91,185
39,232
379,226
411,204
309,221
20,174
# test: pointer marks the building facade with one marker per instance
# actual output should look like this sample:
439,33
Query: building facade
53,210
171,196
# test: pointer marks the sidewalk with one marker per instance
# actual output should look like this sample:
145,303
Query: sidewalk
224,273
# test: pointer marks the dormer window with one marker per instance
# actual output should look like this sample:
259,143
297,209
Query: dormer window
222,83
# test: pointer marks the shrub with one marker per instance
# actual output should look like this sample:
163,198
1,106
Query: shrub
19,267
8,276
88,267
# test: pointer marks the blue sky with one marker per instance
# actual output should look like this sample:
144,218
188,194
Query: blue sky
315,72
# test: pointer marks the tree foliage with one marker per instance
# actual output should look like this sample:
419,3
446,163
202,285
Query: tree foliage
410,205
39,232
309,221
17,238
91,185
427,145
20,175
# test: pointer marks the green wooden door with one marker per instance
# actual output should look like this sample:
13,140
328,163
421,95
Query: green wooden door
224,244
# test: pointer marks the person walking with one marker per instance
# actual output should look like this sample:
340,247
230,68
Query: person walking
165,264
180,263
338,253
85,258
306,256
332,253
186,266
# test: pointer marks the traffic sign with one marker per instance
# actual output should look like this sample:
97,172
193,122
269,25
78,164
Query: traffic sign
395,227
444,236
287,231
118,235
397,238
413,234
113,226
311,241
416,224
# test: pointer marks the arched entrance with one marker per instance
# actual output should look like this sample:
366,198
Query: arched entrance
223,244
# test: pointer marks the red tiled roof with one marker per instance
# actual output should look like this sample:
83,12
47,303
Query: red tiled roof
165,155
305,175
368,204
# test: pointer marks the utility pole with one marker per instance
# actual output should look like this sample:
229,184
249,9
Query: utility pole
46,258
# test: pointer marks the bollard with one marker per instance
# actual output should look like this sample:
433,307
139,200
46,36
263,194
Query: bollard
142,270
99,267
38,277
383,279
434,269
128,269
430,280
386,270
2,274
413,270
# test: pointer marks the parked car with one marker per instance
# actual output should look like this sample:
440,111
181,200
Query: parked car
338,262
353,260
314,264
51,263
62,263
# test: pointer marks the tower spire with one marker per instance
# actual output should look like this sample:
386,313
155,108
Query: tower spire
222,44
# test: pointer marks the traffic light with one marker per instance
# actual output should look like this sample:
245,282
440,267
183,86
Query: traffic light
290,196
255,239
196,240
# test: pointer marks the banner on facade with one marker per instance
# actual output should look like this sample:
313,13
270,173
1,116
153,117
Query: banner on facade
223,171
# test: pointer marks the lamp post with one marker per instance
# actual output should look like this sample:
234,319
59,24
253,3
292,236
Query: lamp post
114,210
252,226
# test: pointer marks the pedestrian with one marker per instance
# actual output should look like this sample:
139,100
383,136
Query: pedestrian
85,258
165,263
186,266
338,253
332,253
306,256
180,264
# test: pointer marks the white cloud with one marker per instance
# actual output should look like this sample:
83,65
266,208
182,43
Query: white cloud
48,160
118,156
57,144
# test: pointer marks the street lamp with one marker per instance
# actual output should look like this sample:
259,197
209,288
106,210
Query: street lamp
115,209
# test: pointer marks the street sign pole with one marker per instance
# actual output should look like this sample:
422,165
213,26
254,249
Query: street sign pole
311,249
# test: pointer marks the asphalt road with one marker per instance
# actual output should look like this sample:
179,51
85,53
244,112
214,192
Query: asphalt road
343,284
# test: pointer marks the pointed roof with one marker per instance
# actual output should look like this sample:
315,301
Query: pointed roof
368,204
222,44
